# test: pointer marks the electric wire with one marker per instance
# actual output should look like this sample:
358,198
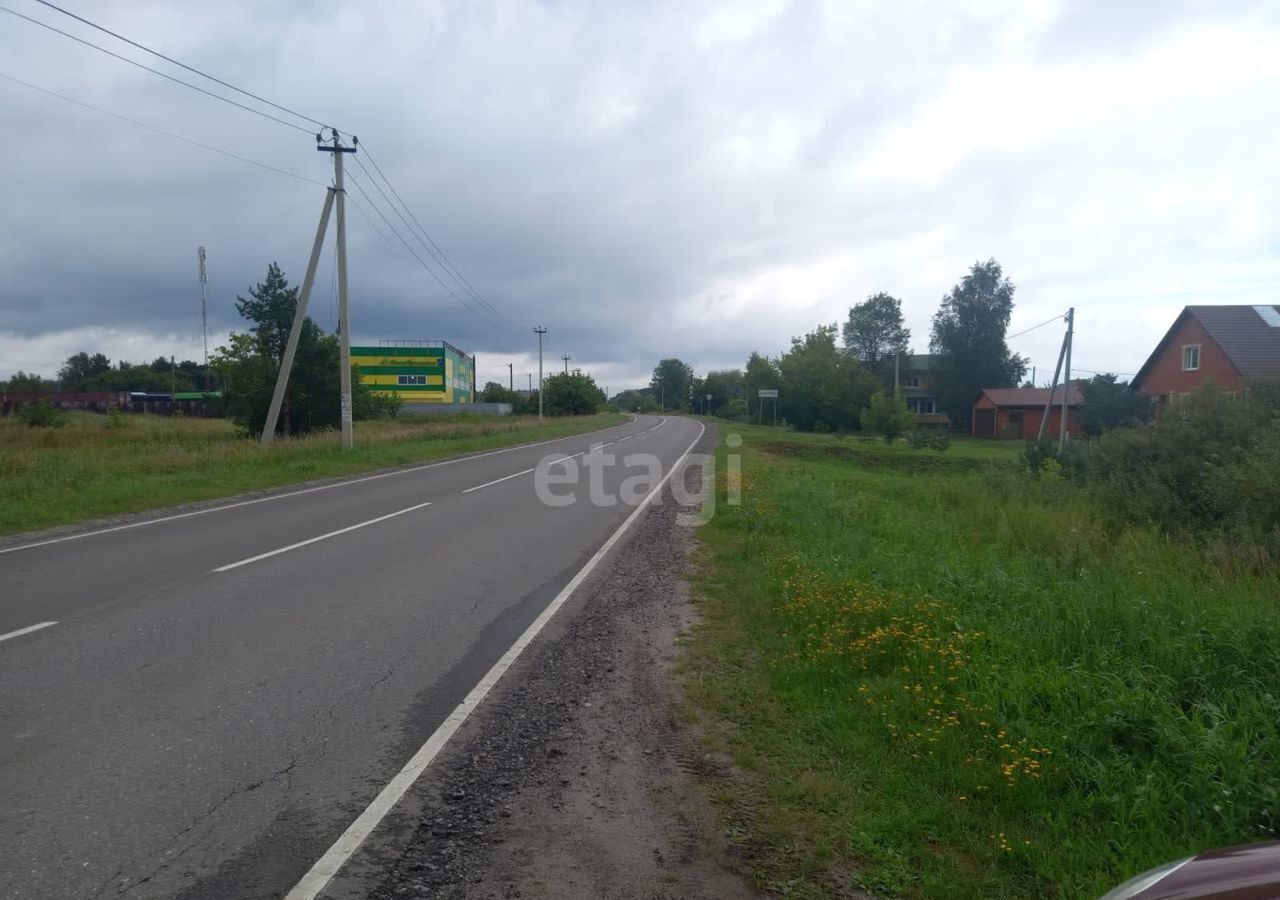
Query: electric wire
360,209
438,253
484,309
1034,327
182,65
168,134
133,62
468,305
377,209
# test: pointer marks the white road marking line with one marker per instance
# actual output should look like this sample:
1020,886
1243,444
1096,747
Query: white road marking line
358,831
321,537
479,487
21,631
310,490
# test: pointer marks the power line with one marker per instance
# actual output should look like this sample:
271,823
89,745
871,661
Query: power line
132,62
182,65
169,134
478,310
412,252
1034,327
372,224
439,253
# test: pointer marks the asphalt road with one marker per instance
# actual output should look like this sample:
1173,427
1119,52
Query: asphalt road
204,723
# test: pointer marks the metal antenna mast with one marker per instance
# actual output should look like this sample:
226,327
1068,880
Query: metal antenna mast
204,312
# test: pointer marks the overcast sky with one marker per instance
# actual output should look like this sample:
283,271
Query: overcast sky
647,179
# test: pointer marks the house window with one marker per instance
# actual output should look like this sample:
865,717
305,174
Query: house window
411,379
921,405
1191,357
913,381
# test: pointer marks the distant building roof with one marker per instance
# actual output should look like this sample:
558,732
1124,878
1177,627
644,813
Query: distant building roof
920,362
1031,396
1248,335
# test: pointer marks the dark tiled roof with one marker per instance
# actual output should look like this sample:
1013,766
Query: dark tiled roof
919,362
1244,334
1030,396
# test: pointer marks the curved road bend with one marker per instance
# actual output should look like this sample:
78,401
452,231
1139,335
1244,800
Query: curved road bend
223,693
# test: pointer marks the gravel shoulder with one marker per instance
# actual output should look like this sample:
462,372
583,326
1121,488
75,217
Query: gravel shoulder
575,778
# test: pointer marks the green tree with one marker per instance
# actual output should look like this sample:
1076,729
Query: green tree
248,365
724,386
28,383
636,401
572,395
1110,403
875,331
761,374
497,393
822,388
969,337
80,369
672,379
887,415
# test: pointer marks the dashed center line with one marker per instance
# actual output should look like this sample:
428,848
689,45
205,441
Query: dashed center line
320,537
30,628
479,487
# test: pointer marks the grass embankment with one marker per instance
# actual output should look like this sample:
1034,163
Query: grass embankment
87,469
948,682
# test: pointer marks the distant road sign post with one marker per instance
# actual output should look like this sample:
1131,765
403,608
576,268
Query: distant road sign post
768,394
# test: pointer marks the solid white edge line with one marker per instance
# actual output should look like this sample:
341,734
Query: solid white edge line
30,628
311,490
320,537
320,874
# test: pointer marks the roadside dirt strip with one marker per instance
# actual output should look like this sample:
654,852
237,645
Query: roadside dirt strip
574,779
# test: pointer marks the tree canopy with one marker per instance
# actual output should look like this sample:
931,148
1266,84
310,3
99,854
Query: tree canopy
1110,403
671,383
575,394
875,330
969,331
822,388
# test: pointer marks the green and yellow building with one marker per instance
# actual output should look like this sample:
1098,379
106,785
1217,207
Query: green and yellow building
417,371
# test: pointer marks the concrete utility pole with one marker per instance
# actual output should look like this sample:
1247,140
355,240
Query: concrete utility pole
1053,388
897,381
173,378
530,374
539,331
1066,377
300,314
511,377
566,359
204,312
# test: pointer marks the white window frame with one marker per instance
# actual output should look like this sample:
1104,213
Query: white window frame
1185,354
913,381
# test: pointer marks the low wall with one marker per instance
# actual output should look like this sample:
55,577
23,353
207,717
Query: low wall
449,409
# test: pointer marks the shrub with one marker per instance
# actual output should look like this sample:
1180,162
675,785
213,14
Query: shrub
1207,467
116,418
41,415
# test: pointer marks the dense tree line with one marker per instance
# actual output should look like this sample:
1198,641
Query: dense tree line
828,378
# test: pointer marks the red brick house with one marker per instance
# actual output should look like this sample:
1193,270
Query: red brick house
1015,413
1225,344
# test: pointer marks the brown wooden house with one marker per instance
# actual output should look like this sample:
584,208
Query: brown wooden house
1224,344
1015,413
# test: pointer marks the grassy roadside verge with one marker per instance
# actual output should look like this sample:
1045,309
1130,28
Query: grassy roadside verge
944,680
88,469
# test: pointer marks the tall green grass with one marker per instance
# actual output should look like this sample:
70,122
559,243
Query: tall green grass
962,683
98,466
